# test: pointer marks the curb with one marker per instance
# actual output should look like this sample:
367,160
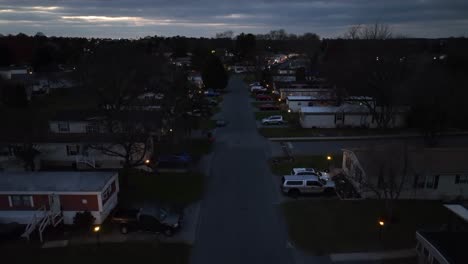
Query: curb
359,137
373,256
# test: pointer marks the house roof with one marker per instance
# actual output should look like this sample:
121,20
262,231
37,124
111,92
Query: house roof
419,160
459,209
346,108
55,181
452,245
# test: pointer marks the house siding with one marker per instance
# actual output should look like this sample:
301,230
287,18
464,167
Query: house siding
38,202
114,188
75,202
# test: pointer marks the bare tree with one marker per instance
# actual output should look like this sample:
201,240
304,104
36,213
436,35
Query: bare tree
385,176
353,32
370,32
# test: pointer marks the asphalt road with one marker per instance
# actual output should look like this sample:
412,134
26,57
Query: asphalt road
240,220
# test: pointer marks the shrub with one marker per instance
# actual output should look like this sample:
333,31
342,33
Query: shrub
83,220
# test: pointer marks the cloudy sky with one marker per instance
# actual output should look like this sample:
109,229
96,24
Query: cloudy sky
139,18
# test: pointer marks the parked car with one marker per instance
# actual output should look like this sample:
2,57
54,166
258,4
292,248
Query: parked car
263,97
268,107
211,93
258,88
255,84
273,120
310,171
296,185
155,219
174,161
221,122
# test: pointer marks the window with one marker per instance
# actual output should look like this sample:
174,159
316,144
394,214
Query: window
461,179
92,128
339,116
107,193
294,183
21,201
419,181
313,183
64,127
432,182
73,150
299,103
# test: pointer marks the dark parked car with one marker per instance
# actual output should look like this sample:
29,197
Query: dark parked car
174,160
263,97
268,107
221,122
212,93
155,219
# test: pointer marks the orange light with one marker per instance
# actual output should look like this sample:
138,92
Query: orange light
97,229
381,223
147,161
329,158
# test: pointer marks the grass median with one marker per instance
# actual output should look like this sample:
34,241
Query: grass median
335,226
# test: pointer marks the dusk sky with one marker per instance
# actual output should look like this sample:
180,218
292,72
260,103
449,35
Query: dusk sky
139,18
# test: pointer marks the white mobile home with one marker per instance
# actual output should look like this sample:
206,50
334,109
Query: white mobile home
346,115
295,103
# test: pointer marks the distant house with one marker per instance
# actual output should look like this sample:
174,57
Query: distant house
345,115
9,73
430,173
75,141
295,103
38,199
196,79
446,245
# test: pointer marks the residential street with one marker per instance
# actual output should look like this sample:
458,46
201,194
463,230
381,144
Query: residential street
240,221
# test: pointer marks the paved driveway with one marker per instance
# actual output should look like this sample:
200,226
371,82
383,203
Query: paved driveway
240,221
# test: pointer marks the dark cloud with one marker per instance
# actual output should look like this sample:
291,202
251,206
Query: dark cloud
136,18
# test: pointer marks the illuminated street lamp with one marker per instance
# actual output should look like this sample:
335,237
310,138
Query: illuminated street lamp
381,223
97,230
329,158
289,110
147,161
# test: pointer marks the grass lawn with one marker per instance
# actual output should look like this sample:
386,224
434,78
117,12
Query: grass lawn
106,253
315,161
173,188
333,226
206,124
269,132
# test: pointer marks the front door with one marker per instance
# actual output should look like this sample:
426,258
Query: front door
54,202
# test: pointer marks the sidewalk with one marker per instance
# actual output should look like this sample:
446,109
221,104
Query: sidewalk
325,138
373,256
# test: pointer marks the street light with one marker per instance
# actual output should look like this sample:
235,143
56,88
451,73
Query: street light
329,158
146,162
97,230
381,223
289,110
